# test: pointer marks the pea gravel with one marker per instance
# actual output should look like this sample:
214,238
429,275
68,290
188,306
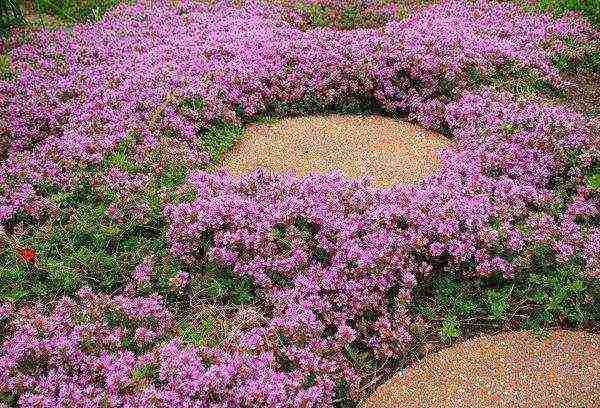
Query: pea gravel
511,369
386,149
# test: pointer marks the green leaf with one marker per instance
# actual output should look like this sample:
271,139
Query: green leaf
16,295
148,371
242,292
538,296
266,119
593,181
497,302
13,274
201,334
6,70
577,286
464,306
221,137
310,380
196,104
450,328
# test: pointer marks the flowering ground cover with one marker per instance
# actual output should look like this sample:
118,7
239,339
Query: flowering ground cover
133,273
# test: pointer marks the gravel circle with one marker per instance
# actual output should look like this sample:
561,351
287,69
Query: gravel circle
386,149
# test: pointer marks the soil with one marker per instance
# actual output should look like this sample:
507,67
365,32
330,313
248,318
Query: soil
584,94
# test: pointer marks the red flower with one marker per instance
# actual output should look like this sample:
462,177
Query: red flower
27,254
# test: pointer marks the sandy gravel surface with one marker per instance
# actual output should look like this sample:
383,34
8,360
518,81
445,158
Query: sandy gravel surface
388,150
513,369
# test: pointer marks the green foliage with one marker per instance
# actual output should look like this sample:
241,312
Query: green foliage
147,371
74,11
579,59
453,296
446,88
497,302
544,293
588,8
475,76
8,399
426,311
426,2
591,61
511,129
221,284
352,17
309,381
309,104
196,104
221,137
10,16
561,62
266,119
7,72
562,293
593,178
521,81
354,106
360,359
81,244
450,328
280,238
342,397
172,176
199,335
122,156
445,289
317,14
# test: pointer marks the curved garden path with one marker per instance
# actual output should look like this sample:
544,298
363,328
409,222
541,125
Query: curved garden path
511,369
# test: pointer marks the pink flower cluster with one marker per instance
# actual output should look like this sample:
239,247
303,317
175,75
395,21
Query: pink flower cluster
325,251
78,94
349,246
80,353
73,353
333,261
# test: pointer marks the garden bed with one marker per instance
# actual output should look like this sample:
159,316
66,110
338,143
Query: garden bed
133,274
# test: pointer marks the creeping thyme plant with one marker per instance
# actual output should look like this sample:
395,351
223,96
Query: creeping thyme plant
135,273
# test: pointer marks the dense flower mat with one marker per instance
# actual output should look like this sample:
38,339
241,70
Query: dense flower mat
78,94
327,263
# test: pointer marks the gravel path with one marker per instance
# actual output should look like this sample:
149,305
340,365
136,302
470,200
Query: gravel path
513,369
388,150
